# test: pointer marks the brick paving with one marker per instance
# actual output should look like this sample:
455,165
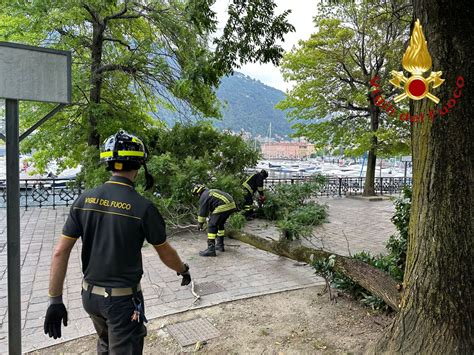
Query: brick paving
366,225
242,271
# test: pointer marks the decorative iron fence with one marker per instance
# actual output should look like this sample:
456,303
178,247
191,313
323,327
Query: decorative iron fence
43,192
63,192
343,186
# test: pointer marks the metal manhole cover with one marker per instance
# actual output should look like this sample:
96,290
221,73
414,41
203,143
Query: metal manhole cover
191,331
207,288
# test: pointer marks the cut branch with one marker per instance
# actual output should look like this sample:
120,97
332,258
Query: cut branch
372,279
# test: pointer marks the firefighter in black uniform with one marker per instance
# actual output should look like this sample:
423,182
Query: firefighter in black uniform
113,221
220,205
252,184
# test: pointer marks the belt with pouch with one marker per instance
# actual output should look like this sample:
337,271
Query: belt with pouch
102,291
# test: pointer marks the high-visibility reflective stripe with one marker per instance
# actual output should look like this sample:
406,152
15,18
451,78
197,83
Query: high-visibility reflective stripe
122,153
211,235
201,219
219,196
106,154
247,186
130,153
224,208
248,207
221,233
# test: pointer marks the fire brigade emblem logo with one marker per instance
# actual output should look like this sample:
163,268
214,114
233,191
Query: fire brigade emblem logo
416,60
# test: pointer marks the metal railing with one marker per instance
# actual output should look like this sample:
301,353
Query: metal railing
343,186
43,192
63,192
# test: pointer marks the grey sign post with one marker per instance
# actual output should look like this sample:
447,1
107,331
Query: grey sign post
35,74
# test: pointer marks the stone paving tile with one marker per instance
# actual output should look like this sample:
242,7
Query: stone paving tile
366,224
242,270
40,229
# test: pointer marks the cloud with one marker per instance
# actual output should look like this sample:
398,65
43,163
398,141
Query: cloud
301,17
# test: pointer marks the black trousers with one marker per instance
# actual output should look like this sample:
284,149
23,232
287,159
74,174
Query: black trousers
111,316
248,203
217,222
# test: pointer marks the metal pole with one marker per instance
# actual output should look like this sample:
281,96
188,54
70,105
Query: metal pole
13,227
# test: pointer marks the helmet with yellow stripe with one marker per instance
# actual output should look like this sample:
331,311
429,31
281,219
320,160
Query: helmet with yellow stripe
198,189
123,151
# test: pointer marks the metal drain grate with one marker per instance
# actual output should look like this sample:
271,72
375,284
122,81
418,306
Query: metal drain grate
191,331
208,288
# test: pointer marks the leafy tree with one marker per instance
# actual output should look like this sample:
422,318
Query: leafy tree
355,42
436,312
135,57
190,154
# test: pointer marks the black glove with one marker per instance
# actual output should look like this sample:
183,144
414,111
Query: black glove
200,226
52,322
186,276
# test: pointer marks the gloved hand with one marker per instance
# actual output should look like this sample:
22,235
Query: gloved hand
52,322
186,276
261,199
200,226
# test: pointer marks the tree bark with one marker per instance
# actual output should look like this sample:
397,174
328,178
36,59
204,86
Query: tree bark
372,279
98,28
437,309
369,185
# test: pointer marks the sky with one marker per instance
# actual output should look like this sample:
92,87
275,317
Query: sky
301,17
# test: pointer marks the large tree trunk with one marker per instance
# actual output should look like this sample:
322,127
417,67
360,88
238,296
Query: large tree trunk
437,310
369,189
369,183
372,279
98,29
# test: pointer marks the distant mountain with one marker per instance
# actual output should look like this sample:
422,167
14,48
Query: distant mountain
248,104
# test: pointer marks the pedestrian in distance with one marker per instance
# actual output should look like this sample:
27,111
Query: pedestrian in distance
113,221
218,205
251,185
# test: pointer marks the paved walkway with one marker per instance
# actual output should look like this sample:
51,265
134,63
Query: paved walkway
241,272
365,224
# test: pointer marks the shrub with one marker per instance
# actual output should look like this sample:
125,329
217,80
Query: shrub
287,198
190,154
236,221
301,221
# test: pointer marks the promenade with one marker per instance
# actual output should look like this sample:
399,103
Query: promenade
241,272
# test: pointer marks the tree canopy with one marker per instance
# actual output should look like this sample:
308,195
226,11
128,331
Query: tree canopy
354,42
131,58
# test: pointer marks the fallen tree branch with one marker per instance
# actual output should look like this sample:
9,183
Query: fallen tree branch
372,279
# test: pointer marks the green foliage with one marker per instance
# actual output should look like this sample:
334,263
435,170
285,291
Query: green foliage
325,268
289,197
332,70
131,59
301,221
189,154
397,244
393,263
293,209
236,221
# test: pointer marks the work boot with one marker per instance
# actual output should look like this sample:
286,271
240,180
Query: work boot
211,248
220,244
